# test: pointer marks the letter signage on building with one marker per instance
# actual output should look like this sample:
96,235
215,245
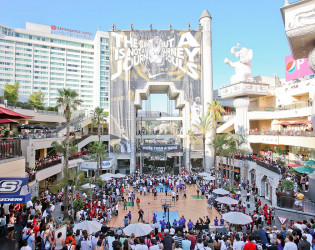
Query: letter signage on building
295,69
14,190
162,148
142,56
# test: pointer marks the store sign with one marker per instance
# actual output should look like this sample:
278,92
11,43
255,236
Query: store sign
160,148
70,32
295,69
14,190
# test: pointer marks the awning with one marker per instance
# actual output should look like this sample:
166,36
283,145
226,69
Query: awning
300,122
294,165
284,123
3,121
7,113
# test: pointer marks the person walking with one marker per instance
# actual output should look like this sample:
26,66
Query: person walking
138,202
140,215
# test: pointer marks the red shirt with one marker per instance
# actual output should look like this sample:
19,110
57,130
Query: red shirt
250,246
193,241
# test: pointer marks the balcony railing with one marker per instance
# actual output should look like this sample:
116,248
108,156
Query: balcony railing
283,133
261,164
306,206
10,148
296,105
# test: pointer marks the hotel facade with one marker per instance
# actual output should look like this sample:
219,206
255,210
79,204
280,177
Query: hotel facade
49,58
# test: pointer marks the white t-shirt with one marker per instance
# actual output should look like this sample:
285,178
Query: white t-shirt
290,246
141,247
26,248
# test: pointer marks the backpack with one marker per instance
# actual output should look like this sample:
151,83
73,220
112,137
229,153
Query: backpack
148,242
259,246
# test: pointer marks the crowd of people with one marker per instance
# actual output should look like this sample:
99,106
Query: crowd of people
36,227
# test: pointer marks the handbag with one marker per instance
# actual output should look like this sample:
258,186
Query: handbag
47,245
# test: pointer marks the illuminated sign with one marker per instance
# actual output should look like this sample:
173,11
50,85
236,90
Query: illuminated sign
70,32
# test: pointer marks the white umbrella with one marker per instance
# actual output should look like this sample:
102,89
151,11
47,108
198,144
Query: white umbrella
139,229
87,185
105,178
227,200
120,175
237,218
220,191
110,175
209,178
90,225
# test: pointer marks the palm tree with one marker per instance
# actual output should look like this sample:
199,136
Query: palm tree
204,125
234,142
218,144
74,179
62,150
99,117
191,137
68,99
216,110
98,151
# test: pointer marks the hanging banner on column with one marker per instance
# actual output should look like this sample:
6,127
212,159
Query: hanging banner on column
158,56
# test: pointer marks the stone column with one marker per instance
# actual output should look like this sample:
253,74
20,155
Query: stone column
186,127
241,125
207,80
132,137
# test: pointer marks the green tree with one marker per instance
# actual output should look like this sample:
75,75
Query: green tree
72,179
11,92
68,100
191,137
99,117
98,151
233,146
216,111
37,99
204,125
218,144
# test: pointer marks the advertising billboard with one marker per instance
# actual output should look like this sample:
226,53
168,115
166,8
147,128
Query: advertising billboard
14,190
142,56
295,69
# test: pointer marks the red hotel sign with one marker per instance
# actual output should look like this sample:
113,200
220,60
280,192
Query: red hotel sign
70,31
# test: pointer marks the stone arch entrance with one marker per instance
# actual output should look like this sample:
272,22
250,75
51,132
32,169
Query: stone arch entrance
154,134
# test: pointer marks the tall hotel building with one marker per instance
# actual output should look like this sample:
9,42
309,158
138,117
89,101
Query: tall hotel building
49,58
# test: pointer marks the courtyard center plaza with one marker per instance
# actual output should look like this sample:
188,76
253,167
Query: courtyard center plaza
120,141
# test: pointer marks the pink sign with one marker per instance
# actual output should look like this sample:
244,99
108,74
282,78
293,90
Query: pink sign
296,68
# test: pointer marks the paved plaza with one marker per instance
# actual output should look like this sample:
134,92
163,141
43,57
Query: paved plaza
189,207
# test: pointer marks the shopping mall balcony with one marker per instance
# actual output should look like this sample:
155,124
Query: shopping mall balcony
12,163
290,138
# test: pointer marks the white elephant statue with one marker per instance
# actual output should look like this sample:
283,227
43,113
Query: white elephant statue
243,69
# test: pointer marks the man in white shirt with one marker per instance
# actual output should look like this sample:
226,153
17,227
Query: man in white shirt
290,245
238,244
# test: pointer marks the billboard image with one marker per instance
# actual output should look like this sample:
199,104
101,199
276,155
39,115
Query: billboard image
295,69
142,56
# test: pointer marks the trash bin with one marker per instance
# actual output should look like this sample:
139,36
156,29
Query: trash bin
248,205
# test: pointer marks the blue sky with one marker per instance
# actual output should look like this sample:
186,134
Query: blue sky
255,24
